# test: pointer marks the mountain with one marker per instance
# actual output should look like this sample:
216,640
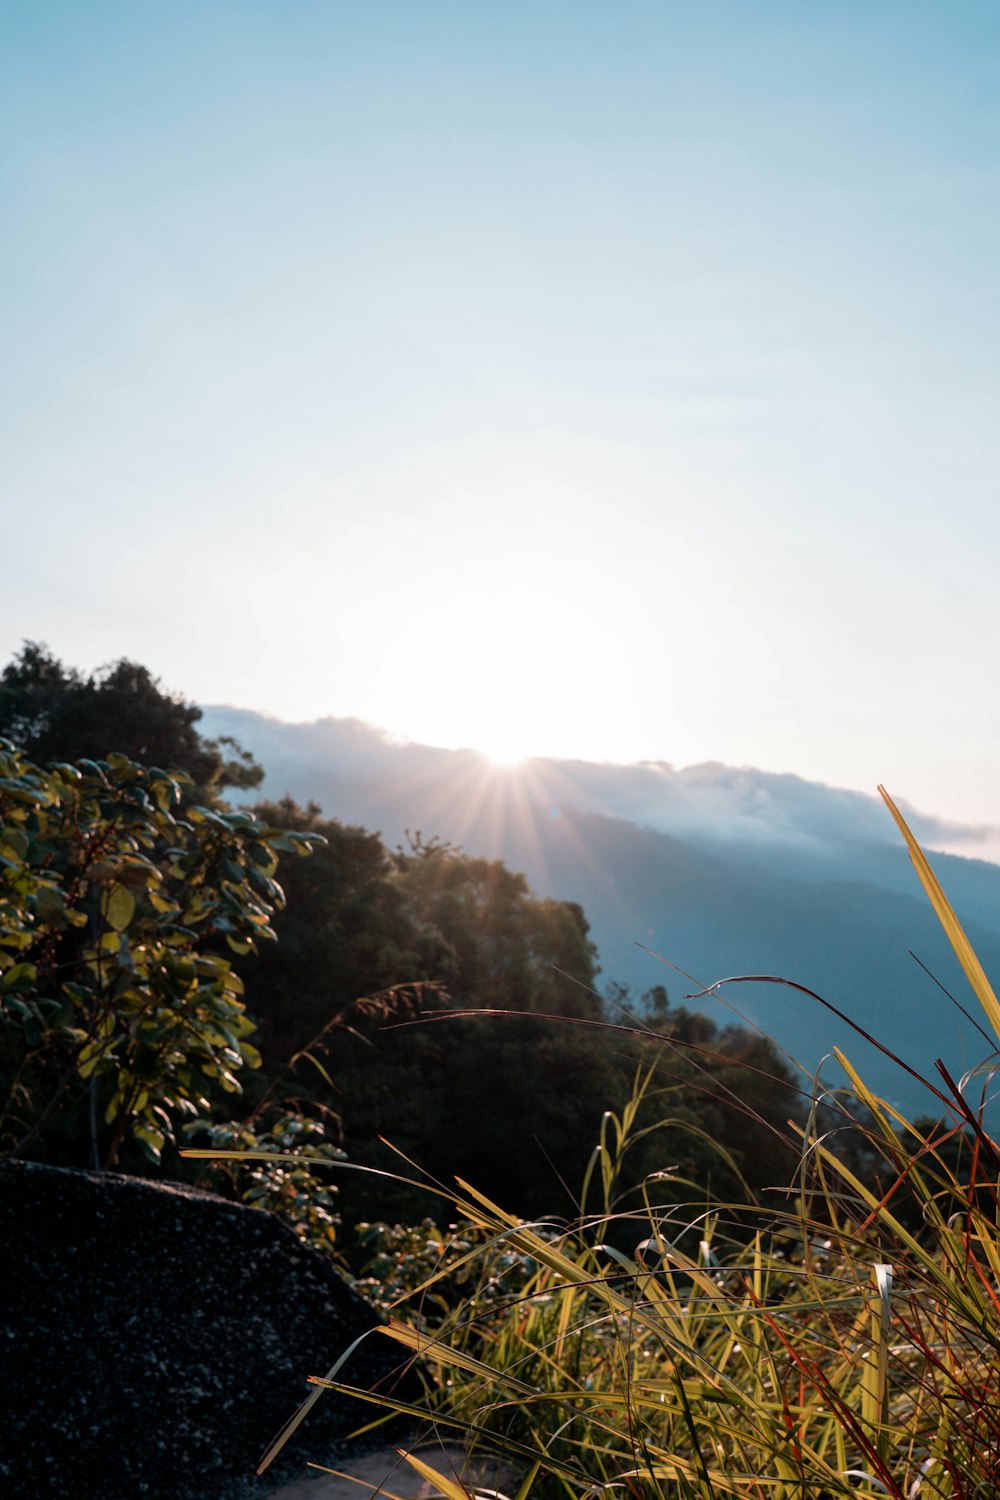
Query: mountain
720,871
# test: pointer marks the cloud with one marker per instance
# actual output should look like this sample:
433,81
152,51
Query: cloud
740,803
357,770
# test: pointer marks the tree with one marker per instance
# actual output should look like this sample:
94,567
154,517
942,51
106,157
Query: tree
510,1102
55,713
360,921
120,1012
346,931
497,944
727,1089
425,929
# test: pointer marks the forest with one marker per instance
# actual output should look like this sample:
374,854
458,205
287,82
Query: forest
321,991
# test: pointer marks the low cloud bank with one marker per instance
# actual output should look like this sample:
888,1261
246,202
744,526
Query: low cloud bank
708,802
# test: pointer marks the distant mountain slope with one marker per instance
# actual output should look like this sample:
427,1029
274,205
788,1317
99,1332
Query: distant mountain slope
723,872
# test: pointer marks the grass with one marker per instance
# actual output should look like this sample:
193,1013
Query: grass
841,1340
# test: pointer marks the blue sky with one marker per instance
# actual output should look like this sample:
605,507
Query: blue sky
616,380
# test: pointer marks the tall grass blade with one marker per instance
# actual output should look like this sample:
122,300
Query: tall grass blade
946,916
449,1488
276,1445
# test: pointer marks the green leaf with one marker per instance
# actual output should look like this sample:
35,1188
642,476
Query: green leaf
291,843
16,939
151,1141
118,906
87,1062
19,977
265,858
67,771
50,906
16,841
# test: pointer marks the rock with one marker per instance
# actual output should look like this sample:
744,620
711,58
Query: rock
154,1338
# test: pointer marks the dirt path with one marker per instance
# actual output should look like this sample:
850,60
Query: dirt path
387,1474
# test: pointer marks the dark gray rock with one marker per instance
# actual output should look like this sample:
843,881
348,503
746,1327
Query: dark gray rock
154,1338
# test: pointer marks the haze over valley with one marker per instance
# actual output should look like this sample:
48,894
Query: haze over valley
720,871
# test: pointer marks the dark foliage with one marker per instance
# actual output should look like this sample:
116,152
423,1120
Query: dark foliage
54,712
346,932
512,1102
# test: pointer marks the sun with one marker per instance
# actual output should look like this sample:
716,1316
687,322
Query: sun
510,702
506,730
503,755
512,669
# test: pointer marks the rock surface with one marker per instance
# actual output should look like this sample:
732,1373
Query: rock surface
154,1338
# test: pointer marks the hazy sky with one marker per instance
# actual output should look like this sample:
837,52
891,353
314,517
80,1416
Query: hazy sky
615,380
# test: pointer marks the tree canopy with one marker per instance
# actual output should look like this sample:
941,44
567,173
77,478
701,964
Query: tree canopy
54,712
512,1102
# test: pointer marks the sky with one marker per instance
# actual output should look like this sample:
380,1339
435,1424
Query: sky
606,380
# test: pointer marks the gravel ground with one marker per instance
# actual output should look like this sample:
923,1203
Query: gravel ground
387,1473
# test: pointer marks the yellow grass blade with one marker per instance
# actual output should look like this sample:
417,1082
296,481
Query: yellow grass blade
526,1483
952,927
374,1489
423,1343
275,1447
511,1446
450,1488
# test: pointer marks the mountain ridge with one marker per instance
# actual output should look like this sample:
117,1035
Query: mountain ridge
749,873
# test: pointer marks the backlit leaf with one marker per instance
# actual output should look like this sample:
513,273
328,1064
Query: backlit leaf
118,906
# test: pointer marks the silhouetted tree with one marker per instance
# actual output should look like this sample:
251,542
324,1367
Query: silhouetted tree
347,931
53,712
499,946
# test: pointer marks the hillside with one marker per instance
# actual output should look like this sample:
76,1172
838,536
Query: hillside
720,872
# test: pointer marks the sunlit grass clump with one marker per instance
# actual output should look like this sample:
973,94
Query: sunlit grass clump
840,1339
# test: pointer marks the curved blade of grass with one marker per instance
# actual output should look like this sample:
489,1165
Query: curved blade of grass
803,989
309,1159
952,927
442,1419
423,1343
373,1489
277,1443
450,1488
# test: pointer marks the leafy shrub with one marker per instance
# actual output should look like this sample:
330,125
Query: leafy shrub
120,1011
274,1169
443,1266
